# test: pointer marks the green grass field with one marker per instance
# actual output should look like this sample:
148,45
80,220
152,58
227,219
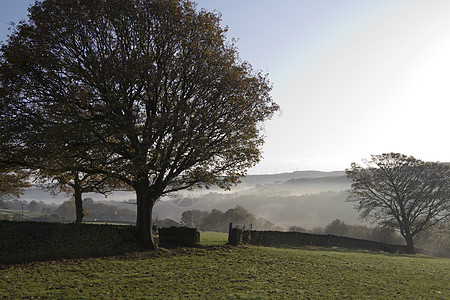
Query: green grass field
210,238
27,214
224,272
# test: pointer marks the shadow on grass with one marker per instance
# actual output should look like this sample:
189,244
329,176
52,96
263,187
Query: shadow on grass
359,251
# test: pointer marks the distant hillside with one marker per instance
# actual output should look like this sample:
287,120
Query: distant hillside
307,211
35,193
252,180
294,183
331,183
305,198
308,199
249,182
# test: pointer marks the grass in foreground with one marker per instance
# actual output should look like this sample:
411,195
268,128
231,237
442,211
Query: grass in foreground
223,272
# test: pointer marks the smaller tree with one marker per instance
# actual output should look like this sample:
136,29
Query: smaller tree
401,192
385,235
77,183
337,227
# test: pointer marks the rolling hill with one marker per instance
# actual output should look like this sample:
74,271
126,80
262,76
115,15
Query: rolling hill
305,198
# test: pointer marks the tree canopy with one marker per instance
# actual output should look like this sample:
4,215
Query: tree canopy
401,192
148,92
13,182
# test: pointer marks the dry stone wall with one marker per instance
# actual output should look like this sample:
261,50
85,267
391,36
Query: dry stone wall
182,236
37,241
299,239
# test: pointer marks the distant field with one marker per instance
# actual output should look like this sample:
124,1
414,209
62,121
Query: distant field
223,272
213,238
27,214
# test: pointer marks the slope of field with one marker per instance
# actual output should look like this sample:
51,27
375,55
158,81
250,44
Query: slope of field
226,272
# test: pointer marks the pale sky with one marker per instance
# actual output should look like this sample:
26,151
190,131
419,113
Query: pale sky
352,77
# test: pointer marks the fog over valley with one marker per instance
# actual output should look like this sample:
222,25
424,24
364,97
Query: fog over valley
304,198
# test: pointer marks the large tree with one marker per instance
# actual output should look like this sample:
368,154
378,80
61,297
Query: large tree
402,192
149,92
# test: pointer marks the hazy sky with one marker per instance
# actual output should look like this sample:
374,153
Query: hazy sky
352,77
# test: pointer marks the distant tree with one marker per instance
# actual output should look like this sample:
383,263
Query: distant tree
385,235
401,192
213,221
66,211
237,215
264,224
149,92
340,228
88,201
220,221
33,206
193,218
105,212
296,229
3,204
318,230
16,204
45,211
337,227
435,239
378,234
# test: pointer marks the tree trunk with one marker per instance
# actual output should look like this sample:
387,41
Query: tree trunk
78,195
409,244
144,222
